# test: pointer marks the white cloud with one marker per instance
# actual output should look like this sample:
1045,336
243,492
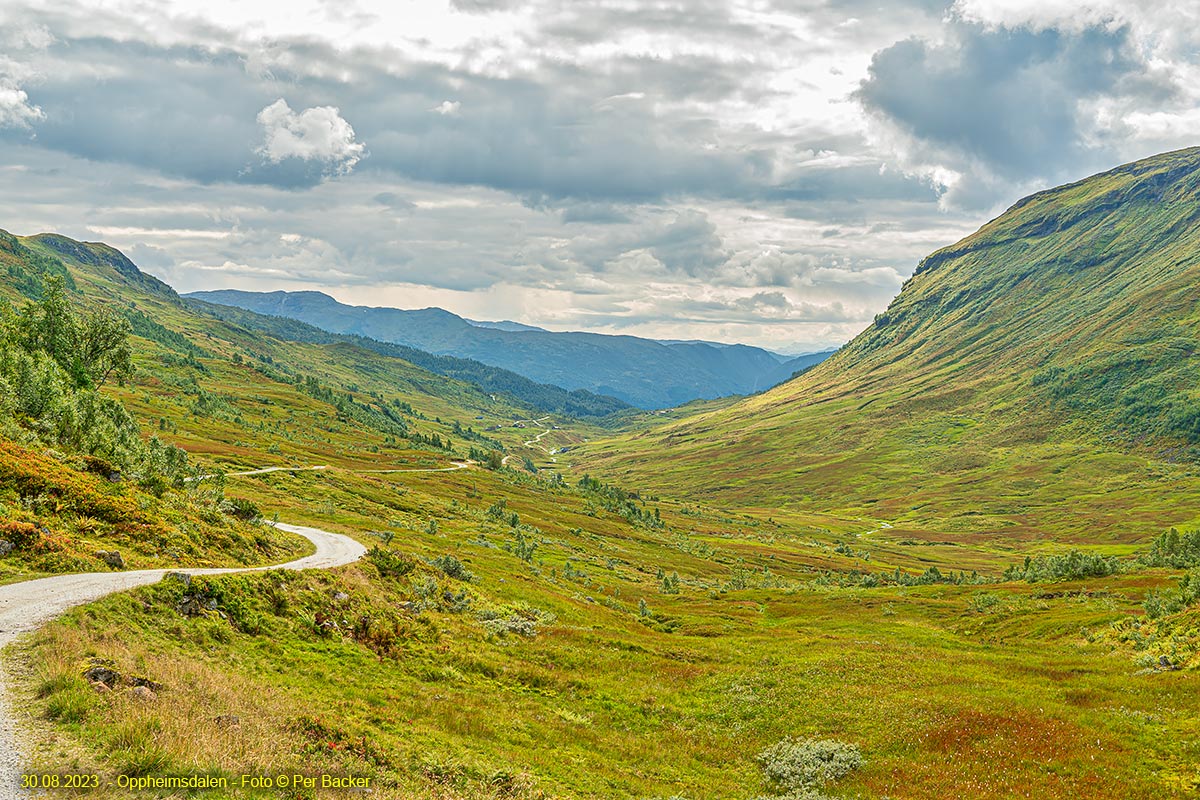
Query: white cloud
315,134
16,110
447,108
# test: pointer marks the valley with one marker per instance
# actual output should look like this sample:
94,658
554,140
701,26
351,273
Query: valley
965,544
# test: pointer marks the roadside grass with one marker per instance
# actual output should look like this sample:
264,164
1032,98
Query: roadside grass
943,700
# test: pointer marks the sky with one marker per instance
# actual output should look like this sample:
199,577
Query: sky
758,171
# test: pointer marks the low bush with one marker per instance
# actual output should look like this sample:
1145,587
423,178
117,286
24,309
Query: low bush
799,766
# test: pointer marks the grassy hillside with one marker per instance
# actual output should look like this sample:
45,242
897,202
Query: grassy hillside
1035,382
882,579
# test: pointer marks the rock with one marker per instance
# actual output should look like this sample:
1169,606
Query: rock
341,597
153,686
143,693
102,674
193,605
112,558
182,577
6,547
101,688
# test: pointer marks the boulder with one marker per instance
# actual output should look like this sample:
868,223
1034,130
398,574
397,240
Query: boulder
193,605
99,673
6,547
112,558
153,686
143,693
182,577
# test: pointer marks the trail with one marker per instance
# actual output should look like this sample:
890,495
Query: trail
266,470
27,605
535,441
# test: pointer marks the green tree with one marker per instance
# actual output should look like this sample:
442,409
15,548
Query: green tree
91,347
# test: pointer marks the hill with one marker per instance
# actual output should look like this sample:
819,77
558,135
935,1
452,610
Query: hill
1023,382
641,372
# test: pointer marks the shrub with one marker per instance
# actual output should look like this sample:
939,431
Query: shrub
453,568
242,509
390,563
1070,566
1174,549
799,765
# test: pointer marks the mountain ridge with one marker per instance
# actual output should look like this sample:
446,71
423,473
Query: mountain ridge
642,372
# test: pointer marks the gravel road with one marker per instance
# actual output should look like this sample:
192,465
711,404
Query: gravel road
25,606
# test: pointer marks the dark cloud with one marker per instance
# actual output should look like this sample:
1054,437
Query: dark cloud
1008,98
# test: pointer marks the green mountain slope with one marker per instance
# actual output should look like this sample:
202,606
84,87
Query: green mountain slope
1037,379
641,372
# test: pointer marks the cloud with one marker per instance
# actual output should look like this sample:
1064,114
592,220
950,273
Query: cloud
315,134
447,107
994,106
15,109
684,242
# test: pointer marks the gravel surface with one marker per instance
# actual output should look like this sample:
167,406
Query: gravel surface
25,606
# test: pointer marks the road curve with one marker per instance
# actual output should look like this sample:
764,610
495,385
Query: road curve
27,605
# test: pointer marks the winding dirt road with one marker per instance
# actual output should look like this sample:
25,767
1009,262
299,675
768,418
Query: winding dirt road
535,441
24,606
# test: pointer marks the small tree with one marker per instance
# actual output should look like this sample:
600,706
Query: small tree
91,347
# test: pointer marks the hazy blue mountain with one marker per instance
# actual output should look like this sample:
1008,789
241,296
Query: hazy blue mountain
642,372
504,325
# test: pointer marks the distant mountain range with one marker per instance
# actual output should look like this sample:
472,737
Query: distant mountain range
642,372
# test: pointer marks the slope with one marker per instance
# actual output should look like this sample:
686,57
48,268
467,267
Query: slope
1035,381
642,372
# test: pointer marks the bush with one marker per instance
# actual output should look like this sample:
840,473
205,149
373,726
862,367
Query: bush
1071,566
801,765
390,563
242,509
1174,549
453,568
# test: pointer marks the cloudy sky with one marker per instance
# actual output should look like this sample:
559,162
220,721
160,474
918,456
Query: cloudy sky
764,171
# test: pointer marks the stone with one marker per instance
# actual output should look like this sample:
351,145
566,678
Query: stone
153,686
102,674
341,597
143,693
101,688
112,558
182,577
191,606
6,547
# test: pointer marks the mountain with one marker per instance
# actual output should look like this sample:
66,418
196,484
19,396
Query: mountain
1021,383
505,325
540,397
641,372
